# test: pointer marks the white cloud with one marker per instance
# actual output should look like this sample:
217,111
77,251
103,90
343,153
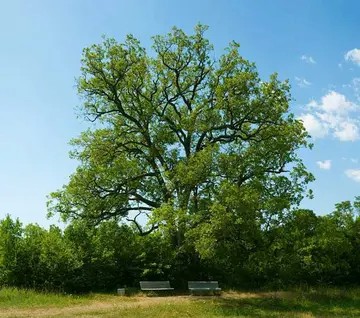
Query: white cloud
302,82
347,131
332,115
353,174
353,56
315,127
325,165
334,102
308,59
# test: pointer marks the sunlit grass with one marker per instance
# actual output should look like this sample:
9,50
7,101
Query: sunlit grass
319,302
24,298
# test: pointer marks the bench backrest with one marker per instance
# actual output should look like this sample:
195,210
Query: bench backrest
203,284
155,284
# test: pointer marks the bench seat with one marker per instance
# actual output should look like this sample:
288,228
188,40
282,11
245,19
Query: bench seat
203,286
157,288
155,285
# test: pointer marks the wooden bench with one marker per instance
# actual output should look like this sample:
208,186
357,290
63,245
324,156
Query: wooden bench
204,287
155,285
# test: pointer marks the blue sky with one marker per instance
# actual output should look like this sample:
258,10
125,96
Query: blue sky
313,43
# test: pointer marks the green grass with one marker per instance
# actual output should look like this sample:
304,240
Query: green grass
320,302
23,298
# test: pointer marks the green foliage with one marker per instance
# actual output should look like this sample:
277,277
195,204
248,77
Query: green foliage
309,249
201,147
108,254
233,247
10,235
80,259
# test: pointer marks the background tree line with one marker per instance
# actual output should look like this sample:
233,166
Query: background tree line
304,249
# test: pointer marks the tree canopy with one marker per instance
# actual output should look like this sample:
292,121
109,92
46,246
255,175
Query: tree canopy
195,142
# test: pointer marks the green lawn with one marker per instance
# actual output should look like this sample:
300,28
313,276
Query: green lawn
296,303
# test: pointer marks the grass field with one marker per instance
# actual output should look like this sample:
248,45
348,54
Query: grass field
296,303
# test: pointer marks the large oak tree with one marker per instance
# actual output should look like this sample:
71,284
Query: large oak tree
191,140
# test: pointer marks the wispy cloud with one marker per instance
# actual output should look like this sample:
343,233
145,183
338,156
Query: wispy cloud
325,165
302,82
332,115
353,56
353,174
355,84
308,59
352,160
